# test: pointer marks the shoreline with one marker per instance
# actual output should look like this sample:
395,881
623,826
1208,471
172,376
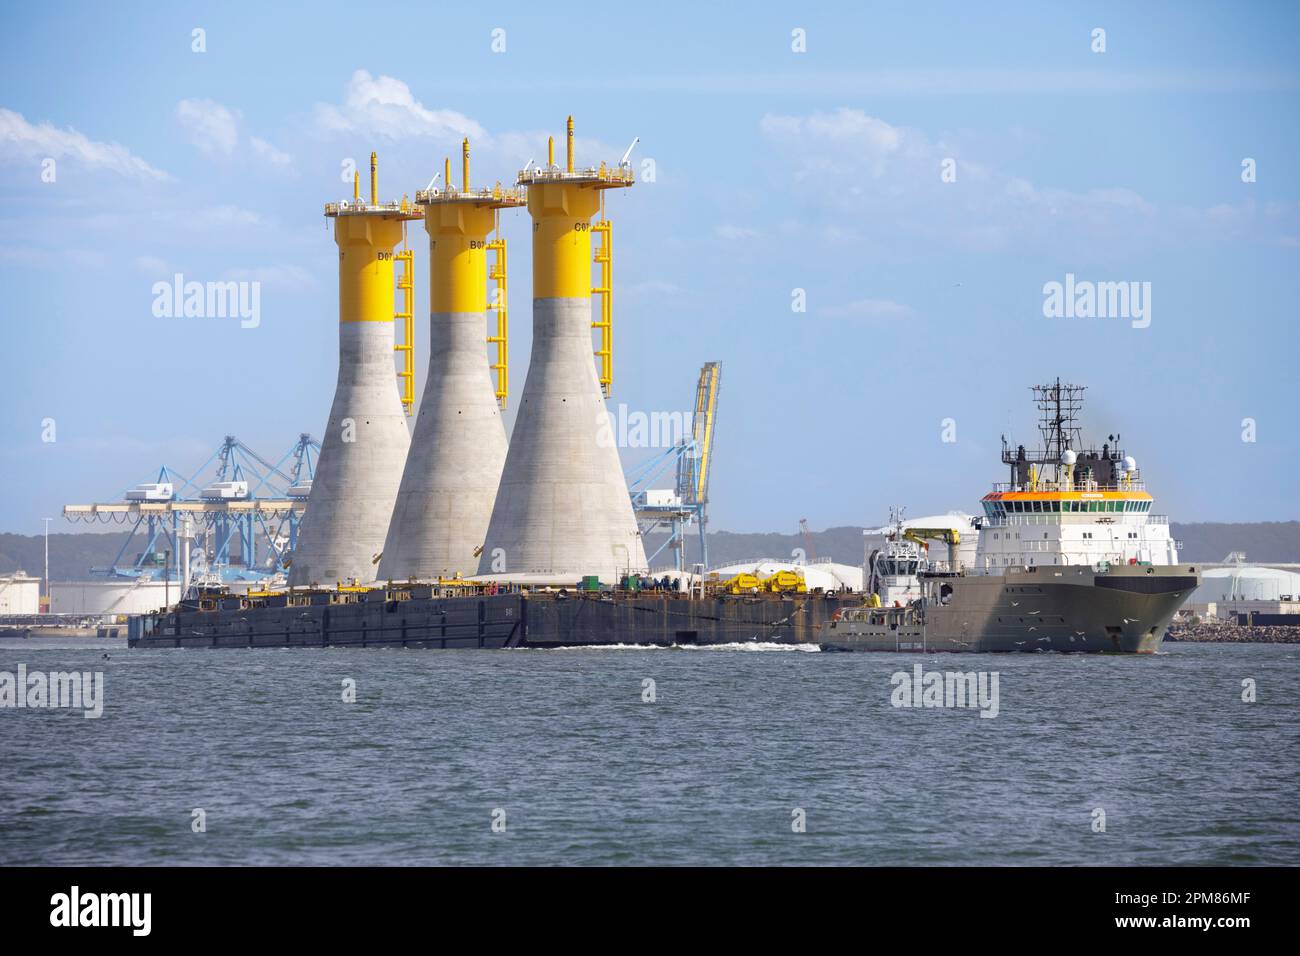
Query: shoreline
1223,632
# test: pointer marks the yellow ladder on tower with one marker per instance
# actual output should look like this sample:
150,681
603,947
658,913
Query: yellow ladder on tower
497,273
406,315
604,259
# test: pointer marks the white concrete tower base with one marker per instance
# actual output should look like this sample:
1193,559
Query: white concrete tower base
360,464
563,507
454,466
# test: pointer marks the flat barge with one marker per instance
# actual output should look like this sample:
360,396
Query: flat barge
432,617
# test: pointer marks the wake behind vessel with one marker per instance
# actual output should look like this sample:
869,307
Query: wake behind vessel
1069,558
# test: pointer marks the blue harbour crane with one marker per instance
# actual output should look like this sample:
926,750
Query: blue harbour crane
690,459
242,509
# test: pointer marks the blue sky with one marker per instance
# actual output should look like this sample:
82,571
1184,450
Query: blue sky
774,171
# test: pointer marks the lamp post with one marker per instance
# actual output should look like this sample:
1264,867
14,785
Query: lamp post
49,604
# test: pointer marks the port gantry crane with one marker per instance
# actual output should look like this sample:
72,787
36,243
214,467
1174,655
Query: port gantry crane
233,495
692,459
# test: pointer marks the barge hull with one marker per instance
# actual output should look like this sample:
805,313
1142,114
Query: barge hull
498,621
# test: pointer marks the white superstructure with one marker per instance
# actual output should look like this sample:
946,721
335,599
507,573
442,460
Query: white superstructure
1067,505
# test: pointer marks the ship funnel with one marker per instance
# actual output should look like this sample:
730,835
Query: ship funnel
365,443
563,508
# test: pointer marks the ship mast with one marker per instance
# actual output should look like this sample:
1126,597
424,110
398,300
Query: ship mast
1059,405
1058,424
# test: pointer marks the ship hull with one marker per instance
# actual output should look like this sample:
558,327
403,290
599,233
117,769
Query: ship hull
1073,609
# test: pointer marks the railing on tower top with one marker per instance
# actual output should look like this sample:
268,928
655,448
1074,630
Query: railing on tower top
604,173
359,206
497,193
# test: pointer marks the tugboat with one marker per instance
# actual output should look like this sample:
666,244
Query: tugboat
1069,558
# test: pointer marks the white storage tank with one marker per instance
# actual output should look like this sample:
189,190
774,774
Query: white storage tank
1246,583
111,597
20,594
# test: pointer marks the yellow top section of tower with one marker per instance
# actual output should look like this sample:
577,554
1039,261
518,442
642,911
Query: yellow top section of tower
458,222
367,233
562,203
404,209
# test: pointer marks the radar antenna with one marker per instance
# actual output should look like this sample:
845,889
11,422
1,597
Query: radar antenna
1058,422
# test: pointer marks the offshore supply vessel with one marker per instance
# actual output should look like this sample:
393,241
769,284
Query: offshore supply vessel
1069,558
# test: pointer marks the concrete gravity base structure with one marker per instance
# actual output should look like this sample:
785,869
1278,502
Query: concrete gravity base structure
455,461
364,445
563,506
362,453
459,447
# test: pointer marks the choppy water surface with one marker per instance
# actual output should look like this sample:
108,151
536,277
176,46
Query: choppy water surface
587,772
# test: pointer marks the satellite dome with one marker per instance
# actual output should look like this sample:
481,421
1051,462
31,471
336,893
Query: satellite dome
1069,457
1129,463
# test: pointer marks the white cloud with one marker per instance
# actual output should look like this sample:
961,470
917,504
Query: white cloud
384,107
268,153
870,310
888,181
844,125
37,257
218,131
152,265
219,216
209,126
20,140
732,233
928,81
